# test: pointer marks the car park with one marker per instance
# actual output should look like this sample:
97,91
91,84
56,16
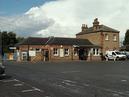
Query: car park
115,55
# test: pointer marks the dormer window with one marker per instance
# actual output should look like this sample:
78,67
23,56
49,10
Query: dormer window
106,37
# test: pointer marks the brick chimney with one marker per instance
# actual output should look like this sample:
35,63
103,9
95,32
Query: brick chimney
96,24
84,27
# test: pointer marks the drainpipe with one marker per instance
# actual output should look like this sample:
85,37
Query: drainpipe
72,50
91,55
28,47
102,38
28,59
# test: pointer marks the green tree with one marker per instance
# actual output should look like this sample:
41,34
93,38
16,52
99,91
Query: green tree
9,39
12,38
0,39
5,42
19,39
126,39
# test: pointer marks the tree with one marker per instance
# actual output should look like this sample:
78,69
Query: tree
19,39
126,40
8,39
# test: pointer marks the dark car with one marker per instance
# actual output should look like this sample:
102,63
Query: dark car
2,69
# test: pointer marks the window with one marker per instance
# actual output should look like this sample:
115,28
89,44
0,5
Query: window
93,51
55,52
38,50
113,53
66,52
114,37
106,37
75,52
96,52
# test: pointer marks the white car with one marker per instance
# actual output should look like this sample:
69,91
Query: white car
114,55
125,53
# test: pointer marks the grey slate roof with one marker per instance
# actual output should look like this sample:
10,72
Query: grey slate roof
69,41
102,28
57,41
33,41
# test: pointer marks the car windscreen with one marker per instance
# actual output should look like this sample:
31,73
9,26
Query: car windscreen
118,53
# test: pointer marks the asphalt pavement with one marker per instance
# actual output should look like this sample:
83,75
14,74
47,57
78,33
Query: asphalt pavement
65,79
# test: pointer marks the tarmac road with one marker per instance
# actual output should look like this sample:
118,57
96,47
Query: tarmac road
66,79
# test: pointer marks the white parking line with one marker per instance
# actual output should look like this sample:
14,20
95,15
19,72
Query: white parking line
29,90
21,83
6,81
69,81
17,85
37,89
68,84
61,86
87,85
109,90
123,80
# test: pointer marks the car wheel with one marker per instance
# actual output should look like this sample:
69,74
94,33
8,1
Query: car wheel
117,58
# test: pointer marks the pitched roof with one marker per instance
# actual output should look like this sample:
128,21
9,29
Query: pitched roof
69,41
57,41
33,41
102,28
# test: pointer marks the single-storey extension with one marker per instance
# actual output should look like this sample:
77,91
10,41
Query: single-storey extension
57,49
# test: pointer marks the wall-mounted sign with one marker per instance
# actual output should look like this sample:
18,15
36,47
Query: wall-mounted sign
12,48
32,53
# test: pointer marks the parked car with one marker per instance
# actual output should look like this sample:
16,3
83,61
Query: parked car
2,69
114,55
125,53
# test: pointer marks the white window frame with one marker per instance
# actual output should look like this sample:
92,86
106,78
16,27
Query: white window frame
66,52
114,37
55,52
96,52
24,54
106,37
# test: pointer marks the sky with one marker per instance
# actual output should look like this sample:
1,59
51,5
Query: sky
62,18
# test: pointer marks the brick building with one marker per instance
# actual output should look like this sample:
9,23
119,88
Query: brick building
107,38
57,48
89,44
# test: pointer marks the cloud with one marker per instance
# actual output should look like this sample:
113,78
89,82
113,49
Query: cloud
64,17
72,13
26,24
